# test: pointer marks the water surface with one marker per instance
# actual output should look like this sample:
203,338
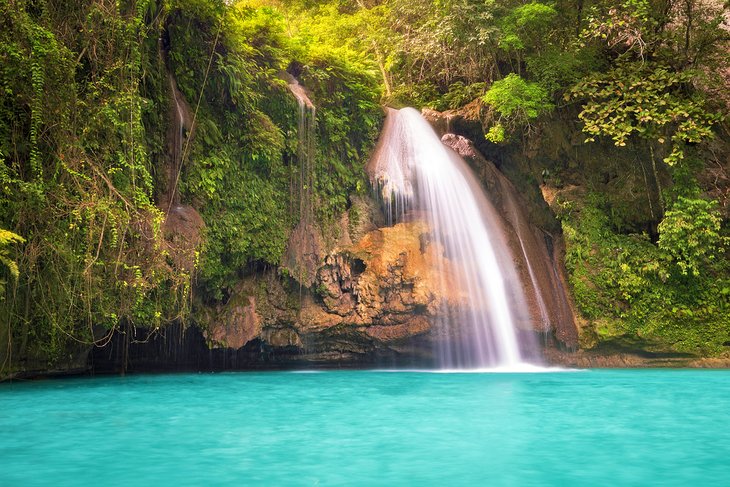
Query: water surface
627,427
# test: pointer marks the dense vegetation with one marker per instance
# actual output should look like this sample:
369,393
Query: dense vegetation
89,170
87,177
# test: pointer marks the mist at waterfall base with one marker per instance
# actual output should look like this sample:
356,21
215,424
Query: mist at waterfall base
591,428
418,177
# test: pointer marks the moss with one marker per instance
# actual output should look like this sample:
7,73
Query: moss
633,295
243,173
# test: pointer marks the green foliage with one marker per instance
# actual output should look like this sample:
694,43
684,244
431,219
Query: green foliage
526,26
435,44
638,98
496,133
235,171
6,261
627,288
348,117
517,101
556,68
76,144
417,48
244,168
459,95
513,97
691,234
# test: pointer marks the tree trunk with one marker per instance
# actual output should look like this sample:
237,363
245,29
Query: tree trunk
384,73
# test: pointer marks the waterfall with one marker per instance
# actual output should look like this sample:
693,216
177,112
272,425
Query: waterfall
419,177
306,150
541,306
180,117
304,247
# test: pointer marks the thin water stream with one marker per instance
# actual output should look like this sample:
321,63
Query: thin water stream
306,150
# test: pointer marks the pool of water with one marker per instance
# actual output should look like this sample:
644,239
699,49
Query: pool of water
623,427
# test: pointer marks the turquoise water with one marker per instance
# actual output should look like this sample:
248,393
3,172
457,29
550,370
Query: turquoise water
626,427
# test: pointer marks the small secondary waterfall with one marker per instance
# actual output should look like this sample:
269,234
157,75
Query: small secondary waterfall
419,177
178,137
304,247
179,132
541,306
306,150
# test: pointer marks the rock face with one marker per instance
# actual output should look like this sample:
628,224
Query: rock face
182,229
380,295
238,326
304,253
371,299
357,294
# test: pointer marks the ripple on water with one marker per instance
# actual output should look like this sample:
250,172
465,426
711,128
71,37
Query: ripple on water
524,427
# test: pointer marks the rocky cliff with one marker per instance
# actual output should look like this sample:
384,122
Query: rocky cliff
361,293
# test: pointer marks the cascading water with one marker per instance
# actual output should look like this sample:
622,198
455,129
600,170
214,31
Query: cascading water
419,177
548,308
178,138
301,257
306,149
541,306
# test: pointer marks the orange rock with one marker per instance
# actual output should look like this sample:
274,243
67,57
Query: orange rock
240,325
417,325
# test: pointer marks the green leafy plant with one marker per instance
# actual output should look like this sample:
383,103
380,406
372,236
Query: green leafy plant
691,234
514,97
495,133
526,25
7,239
646,100
517,102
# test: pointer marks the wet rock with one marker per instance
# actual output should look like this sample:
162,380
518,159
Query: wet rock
257,305
414,326
468,121
236,326
364,216
313,317
304,253
363,300
616,359
284,337
400,274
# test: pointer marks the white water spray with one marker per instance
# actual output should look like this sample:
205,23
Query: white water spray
418,176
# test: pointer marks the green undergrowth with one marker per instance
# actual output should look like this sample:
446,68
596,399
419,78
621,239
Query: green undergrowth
639,295
80,135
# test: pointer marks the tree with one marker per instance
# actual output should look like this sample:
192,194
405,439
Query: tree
645,99
517,101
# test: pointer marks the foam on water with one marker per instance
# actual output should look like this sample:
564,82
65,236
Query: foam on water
523,368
